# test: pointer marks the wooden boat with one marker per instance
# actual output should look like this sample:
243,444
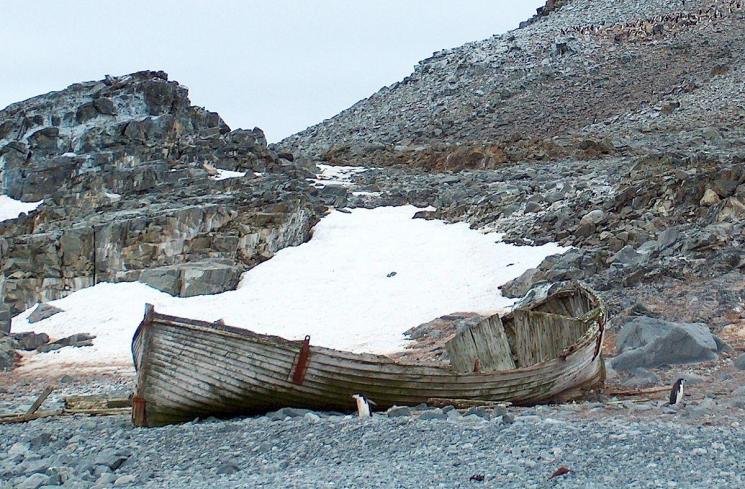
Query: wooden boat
548,350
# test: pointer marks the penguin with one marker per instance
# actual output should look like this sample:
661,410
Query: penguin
363,405
676,394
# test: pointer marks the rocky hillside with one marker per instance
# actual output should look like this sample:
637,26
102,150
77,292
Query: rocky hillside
584,78
133,182
616,127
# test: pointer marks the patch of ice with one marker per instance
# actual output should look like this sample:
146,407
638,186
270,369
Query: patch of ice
11,208
334,288
224,174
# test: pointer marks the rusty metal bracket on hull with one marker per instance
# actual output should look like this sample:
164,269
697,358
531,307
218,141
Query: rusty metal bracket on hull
298,375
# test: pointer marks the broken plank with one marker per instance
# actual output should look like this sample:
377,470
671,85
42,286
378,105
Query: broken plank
24,418
39,400
96,402
99,412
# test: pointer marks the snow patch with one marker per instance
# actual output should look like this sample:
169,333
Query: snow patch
225,174
334,288
11,208
337,175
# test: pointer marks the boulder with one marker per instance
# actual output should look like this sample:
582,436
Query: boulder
594,217
433,414
85,112
740,362
208,278
287,412
627,256
7,354
4,321
104,106
518,287
35,481
398,411
191,279
77,340
652,342
710,198
641,377
732,210
111,458
42,312
30,341
44,139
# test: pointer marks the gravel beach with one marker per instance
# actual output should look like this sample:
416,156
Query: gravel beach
428,448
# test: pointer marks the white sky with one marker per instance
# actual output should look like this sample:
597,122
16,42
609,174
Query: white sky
281,65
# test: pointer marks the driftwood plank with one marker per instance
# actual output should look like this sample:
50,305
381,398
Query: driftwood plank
484,344
99,412
96,402
39,400
23,418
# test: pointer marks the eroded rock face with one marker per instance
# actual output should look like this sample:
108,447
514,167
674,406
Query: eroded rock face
121,167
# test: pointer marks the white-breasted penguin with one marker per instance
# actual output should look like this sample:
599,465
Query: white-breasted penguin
676,394
363,405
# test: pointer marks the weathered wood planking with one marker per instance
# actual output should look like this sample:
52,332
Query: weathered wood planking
540,336
485,342
189,369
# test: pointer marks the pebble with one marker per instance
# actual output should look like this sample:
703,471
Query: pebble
433,414
397,411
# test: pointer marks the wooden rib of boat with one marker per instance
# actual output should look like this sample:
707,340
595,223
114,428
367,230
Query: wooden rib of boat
188,369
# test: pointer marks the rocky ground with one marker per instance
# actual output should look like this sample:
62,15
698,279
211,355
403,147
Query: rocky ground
133,184
408,448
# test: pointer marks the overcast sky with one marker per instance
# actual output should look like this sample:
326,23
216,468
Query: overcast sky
281,65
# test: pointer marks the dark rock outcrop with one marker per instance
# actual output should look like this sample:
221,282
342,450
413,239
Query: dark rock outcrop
120,164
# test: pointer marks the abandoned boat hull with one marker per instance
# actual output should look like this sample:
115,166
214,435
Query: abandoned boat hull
188,369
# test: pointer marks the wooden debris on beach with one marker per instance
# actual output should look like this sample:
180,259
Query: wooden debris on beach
96,402
636,392
95,405
39,400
